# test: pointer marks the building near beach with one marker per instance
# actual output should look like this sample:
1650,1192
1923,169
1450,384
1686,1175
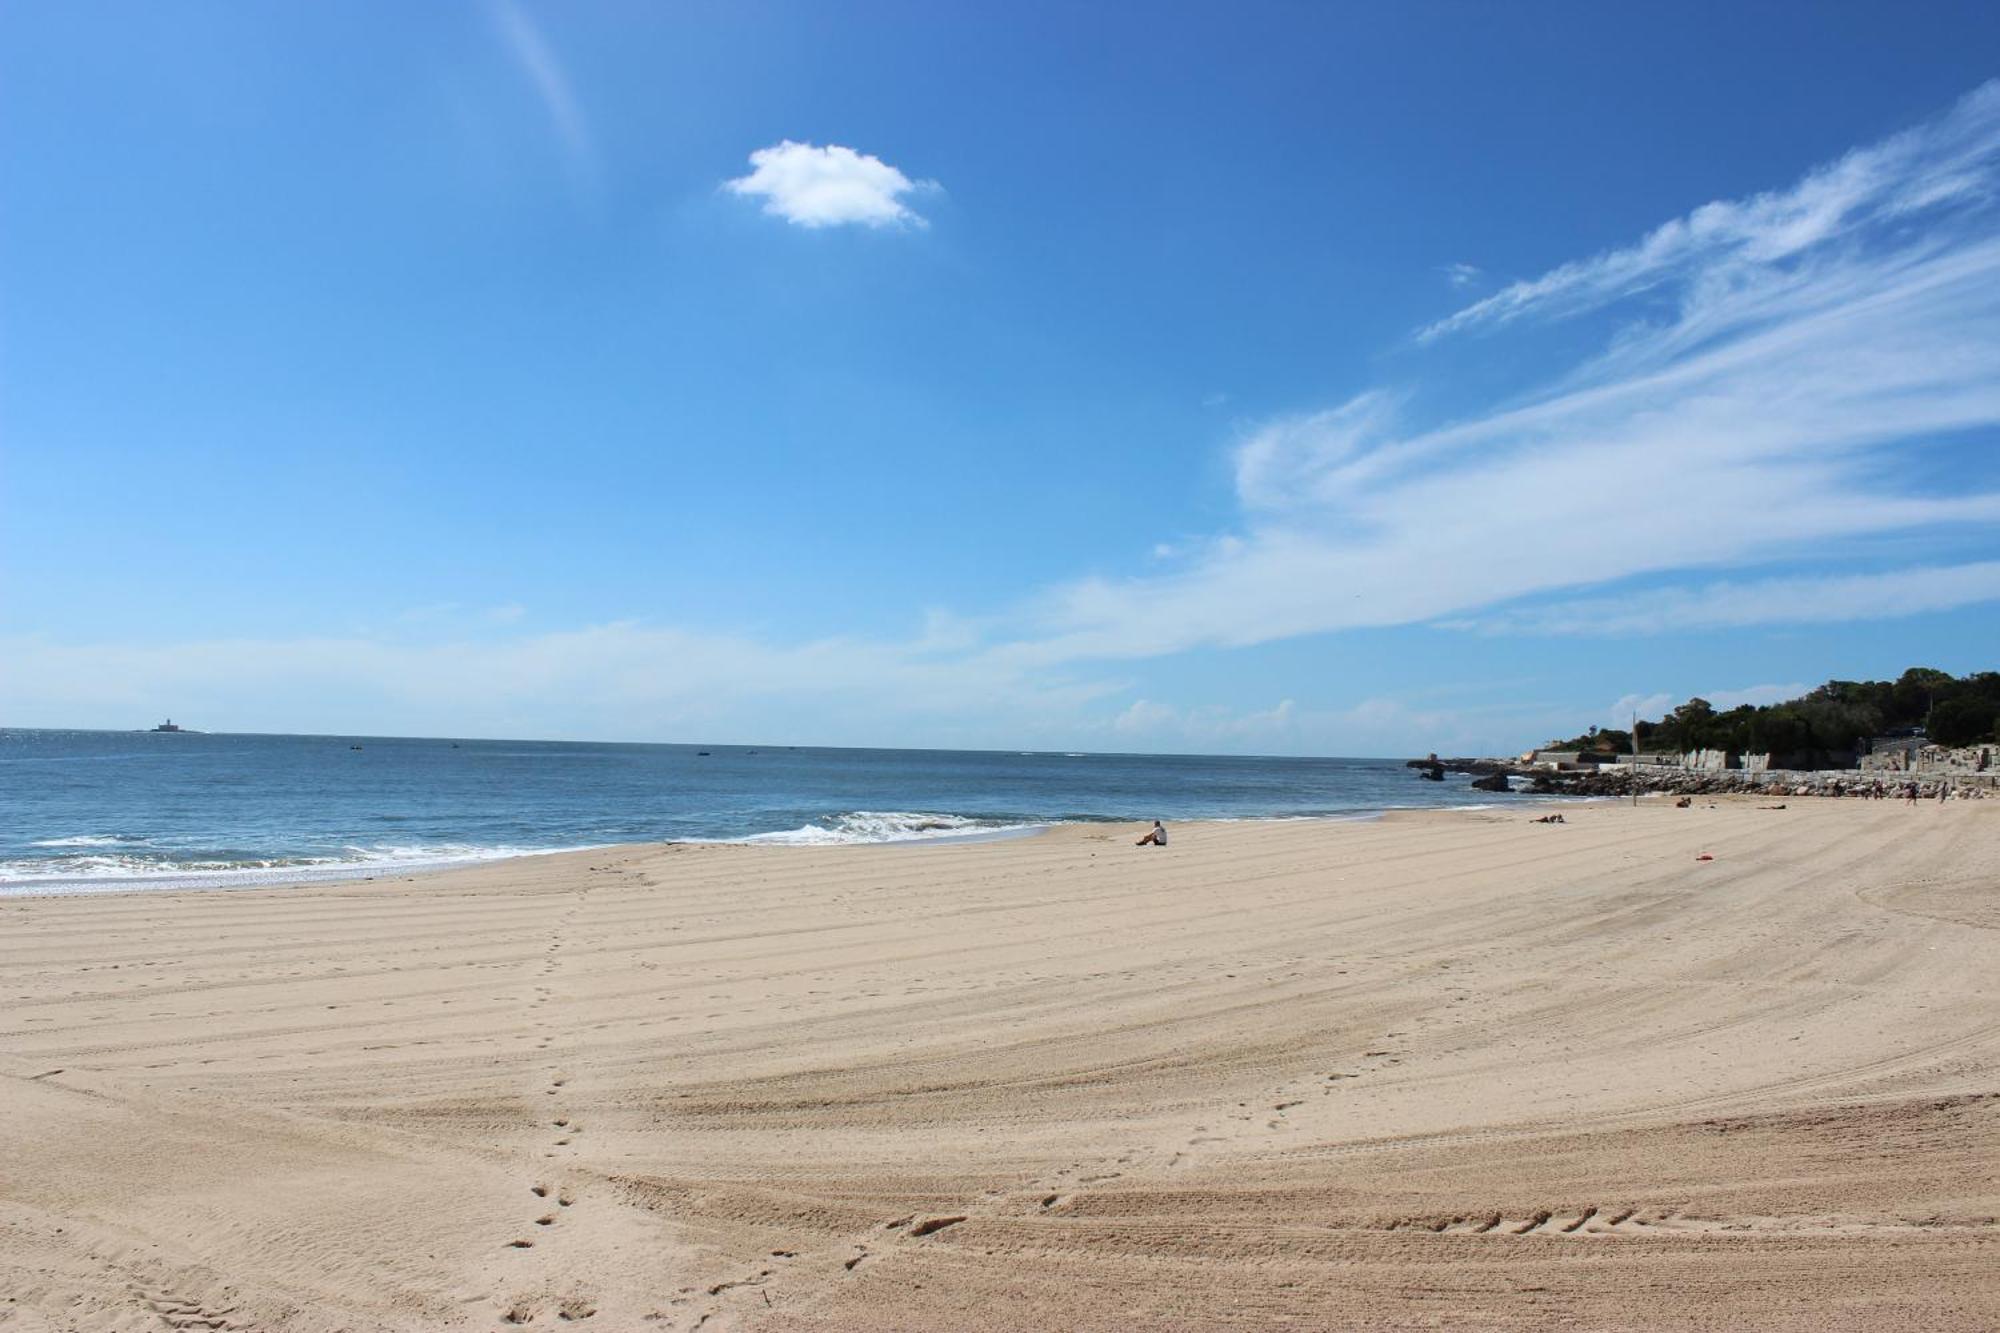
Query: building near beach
1915,754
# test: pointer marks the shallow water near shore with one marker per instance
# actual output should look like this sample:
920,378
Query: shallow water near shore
124,810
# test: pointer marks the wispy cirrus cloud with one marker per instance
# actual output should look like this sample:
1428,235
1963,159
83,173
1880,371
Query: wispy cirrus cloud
1827,344
1733,604
547,75
1944,164
813,186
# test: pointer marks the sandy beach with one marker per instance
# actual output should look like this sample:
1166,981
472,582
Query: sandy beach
1432,1071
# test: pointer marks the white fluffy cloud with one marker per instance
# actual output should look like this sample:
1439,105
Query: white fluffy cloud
825,187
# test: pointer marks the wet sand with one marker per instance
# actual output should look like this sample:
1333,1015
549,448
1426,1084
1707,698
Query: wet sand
1436,1071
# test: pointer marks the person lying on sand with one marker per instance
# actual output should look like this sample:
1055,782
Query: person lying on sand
1547,819
1157,837
1779,806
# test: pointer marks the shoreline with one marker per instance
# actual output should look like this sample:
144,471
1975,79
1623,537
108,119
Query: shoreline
250,878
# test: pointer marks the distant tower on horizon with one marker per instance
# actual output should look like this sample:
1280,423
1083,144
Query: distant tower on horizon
168,725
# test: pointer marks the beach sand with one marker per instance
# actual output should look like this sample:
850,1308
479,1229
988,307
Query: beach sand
1447,1070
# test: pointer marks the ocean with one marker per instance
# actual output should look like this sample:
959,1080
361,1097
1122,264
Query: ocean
94,810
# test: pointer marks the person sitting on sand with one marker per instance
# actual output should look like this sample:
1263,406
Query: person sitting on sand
1684,802
1157,837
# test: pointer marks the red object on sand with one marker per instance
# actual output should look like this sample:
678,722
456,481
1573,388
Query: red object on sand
1704,857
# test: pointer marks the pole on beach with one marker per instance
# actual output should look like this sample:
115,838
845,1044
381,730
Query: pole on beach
1635,759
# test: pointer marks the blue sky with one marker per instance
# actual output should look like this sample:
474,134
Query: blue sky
1286,378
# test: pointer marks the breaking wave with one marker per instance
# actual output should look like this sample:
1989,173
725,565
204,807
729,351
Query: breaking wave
858,826
167,869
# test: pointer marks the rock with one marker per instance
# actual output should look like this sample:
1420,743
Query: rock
1491,782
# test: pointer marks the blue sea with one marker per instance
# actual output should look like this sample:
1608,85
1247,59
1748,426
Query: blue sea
84,810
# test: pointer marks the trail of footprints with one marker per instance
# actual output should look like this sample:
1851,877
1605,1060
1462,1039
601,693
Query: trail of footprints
552,1200
1288,1097
551,1204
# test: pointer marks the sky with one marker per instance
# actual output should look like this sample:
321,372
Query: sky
1253,378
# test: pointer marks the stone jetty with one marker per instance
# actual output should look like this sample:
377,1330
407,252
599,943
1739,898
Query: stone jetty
1663,779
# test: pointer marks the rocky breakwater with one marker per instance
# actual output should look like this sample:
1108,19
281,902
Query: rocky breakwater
1624,781
1487,774
1478,767
1493,775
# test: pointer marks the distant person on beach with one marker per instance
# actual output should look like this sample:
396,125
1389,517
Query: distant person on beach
1156,837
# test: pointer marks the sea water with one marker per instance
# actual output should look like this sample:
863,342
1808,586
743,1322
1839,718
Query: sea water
83,810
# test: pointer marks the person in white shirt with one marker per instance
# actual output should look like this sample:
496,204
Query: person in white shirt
1157,837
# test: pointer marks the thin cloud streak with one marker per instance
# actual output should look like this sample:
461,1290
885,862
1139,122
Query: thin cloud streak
1735,605
546,74
1946,162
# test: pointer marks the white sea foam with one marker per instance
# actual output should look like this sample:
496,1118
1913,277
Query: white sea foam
117,873
91,840
859,826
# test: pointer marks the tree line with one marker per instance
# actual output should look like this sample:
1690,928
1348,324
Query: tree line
1824,725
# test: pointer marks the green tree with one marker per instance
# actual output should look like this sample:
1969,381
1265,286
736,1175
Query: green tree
1689,727
1828,723
1963,721
1779,730
1916,690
